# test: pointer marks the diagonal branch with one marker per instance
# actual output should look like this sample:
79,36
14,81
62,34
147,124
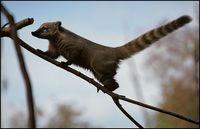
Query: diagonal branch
13,34
99,86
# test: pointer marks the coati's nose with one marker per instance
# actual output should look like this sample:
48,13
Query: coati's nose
33,33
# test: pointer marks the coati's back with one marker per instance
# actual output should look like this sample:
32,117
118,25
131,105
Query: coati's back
150,37
88,49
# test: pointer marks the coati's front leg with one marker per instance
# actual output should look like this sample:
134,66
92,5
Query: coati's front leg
72,54
51,52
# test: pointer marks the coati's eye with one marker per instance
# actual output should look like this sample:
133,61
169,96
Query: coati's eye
45,29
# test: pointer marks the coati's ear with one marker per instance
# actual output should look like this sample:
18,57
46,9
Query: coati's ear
58,23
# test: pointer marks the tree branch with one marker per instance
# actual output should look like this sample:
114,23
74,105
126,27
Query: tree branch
13,33
116,100
5,31
116,97
159,110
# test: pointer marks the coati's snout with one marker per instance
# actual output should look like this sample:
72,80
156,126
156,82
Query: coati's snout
37,33
47,30
34,33
41,33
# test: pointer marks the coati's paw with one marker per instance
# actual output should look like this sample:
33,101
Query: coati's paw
111,85
64,64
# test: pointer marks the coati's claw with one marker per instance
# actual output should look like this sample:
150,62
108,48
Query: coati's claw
98,90
64,64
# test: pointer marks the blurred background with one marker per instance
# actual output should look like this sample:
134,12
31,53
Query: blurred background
164,75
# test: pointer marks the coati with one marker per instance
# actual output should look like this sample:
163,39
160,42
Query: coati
101,60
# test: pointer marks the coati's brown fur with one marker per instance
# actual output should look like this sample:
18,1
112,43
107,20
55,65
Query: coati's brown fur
101,60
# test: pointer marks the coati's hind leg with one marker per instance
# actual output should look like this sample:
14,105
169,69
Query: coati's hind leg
108,81
105,72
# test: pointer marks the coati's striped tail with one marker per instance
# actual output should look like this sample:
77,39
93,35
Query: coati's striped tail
150,37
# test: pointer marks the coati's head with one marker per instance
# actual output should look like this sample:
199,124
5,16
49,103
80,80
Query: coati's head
47,30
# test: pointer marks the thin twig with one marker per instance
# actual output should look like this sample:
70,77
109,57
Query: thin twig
30,102
116,100
4,25
99,86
